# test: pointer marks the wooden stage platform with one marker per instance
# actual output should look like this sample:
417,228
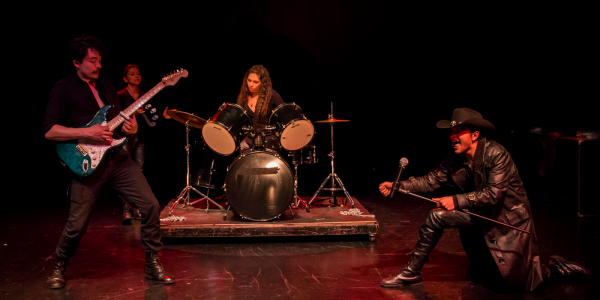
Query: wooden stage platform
321,220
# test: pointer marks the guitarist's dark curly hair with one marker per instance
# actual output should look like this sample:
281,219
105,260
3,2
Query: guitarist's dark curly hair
78,47
265,90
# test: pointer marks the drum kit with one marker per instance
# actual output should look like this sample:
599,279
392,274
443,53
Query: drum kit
259,184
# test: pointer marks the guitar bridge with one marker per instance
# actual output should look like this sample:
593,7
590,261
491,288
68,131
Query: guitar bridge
81,150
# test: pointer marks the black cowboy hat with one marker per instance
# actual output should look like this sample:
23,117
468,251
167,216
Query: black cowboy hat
466,117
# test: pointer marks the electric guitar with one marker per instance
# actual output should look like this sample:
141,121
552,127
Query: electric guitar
83,156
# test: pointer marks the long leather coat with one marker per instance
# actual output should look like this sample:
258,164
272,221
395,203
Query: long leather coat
499,194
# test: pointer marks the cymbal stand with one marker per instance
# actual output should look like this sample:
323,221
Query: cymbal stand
334,177
185,193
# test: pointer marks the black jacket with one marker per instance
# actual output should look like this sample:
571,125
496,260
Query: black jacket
499,194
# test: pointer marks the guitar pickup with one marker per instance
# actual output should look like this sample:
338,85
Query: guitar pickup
81,150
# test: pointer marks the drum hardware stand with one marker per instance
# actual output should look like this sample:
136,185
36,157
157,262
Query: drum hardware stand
333,176
185,194
296,200
207,190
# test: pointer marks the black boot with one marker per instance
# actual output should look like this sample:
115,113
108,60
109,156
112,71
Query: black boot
126,213
154,269
560,268
56,280
411,274
429,235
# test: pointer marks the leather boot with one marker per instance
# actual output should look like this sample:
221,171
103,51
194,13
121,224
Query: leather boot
429,235
56,280
410,275
126,213
560,268
154,269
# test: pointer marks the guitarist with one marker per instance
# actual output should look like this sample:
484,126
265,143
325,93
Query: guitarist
73,102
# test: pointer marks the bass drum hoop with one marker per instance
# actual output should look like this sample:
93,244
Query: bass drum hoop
232,200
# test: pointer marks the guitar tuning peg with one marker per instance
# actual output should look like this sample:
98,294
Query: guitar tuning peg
180,69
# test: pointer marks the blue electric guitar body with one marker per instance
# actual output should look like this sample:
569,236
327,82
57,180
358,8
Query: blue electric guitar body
84,156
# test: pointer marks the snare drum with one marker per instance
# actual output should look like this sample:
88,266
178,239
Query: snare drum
293,128
222,133
259,185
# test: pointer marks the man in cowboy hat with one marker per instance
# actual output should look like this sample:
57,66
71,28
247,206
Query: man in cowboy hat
488,178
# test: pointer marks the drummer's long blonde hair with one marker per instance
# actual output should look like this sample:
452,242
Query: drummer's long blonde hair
265,91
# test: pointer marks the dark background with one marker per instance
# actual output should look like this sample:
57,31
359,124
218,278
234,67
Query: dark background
393,70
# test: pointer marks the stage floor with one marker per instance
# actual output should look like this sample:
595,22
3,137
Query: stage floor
110,261
323,219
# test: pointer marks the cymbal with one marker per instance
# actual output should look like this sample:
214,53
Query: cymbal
332,121
183,117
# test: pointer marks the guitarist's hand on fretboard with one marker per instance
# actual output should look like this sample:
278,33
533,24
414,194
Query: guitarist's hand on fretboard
129,126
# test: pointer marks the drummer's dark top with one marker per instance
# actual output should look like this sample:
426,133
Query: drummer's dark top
260,123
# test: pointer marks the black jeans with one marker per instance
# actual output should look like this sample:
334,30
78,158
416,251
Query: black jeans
119,172
137,150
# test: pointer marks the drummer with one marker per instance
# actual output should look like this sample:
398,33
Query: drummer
258,98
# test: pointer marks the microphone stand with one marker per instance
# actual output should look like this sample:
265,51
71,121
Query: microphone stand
403,163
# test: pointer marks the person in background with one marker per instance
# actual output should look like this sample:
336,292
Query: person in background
135,146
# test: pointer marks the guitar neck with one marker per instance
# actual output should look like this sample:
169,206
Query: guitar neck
114,123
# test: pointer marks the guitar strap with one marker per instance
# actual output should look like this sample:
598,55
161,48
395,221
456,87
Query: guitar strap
95,92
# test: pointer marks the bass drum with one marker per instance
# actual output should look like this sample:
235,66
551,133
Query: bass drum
259,185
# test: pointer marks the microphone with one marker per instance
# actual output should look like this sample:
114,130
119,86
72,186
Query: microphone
403,163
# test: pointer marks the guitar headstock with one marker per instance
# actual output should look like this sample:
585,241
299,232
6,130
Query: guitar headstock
172,78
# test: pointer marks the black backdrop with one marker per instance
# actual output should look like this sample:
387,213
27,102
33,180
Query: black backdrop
393,70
